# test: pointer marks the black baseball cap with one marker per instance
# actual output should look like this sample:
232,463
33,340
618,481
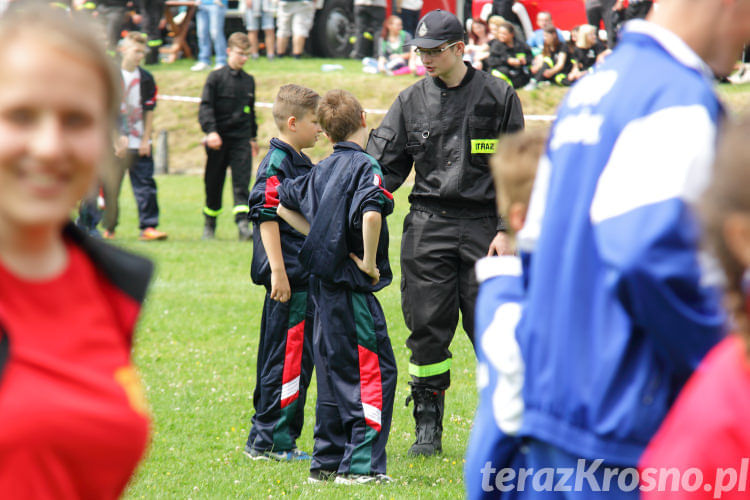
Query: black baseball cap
437,27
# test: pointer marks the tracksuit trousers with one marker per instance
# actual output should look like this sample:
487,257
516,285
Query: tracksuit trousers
237,154
284,369
141,173
356,376
438,254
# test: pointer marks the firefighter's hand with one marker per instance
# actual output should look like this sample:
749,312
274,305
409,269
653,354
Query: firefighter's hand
280,289
213,140
254,147
500,245
370,269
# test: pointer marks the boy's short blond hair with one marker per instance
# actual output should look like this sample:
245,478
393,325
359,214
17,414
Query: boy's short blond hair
339,114
514,167
239,40
293,100
135,38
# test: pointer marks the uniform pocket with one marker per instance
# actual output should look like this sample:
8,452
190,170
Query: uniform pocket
483,133
417,134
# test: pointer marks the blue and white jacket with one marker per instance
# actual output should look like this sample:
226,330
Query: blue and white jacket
619,310
494,444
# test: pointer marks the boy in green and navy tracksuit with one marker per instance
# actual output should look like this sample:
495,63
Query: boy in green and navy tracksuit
285,358
346,253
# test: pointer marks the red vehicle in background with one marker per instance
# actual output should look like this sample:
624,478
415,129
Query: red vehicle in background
334,19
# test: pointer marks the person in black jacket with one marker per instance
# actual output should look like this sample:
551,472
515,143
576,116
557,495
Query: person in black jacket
447,126
227,116
509,58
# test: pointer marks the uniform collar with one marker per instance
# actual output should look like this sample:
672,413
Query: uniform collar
298,159
347,145
467,78
673,44
233,72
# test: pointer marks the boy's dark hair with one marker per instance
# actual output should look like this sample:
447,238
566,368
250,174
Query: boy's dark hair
293,100
339,114
239,40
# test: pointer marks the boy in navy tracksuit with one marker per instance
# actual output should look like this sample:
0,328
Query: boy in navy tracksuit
346,252
285,358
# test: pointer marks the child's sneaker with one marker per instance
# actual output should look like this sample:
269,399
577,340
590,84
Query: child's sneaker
292,455
353,479
321,476
108,235
254,454
152,234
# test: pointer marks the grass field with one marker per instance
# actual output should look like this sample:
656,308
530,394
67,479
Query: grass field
198,335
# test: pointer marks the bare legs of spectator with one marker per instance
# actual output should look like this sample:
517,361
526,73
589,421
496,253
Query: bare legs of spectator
298,45
270,41
282,43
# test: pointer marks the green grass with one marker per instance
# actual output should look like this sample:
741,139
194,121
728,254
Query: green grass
198,336
196,348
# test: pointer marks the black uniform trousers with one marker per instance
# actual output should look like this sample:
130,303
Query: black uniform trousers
235,153
283,372
356,375
438,254
152,12
368,23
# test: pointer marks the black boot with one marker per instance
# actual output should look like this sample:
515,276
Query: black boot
209,229
428,418
246,233
152,55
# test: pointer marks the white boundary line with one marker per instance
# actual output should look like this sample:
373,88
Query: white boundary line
179,98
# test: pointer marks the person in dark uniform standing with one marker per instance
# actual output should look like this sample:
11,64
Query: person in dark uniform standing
152,12
447,126
227,116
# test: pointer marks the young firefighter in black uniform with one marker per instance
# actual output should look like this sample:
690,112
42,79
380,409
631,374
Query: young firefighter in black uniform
227,116
346,252
447,126
509,59
285,358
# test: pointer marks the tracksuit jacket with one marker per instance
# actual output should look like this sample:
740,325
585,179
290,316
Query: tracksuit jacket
620,309
333,198
281,162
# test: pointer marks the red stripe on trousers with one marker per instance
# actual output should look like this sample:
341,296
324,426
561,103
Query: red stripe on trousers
371,387
295,338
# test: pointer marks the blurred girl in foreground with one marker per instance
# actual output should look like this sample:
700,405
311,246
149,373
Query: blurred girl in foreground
73,421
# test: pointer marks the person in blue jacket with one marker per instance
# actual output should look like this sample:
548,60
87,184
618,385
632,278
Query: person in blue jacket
341,206
284,365
620,309
495,448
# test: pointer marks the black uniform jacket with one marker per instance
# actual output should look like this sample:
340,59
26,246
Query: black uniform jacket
228,104
448,134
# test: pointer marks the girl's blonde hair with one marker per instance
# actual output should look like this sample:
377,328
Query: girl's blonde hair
729,193
33,23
